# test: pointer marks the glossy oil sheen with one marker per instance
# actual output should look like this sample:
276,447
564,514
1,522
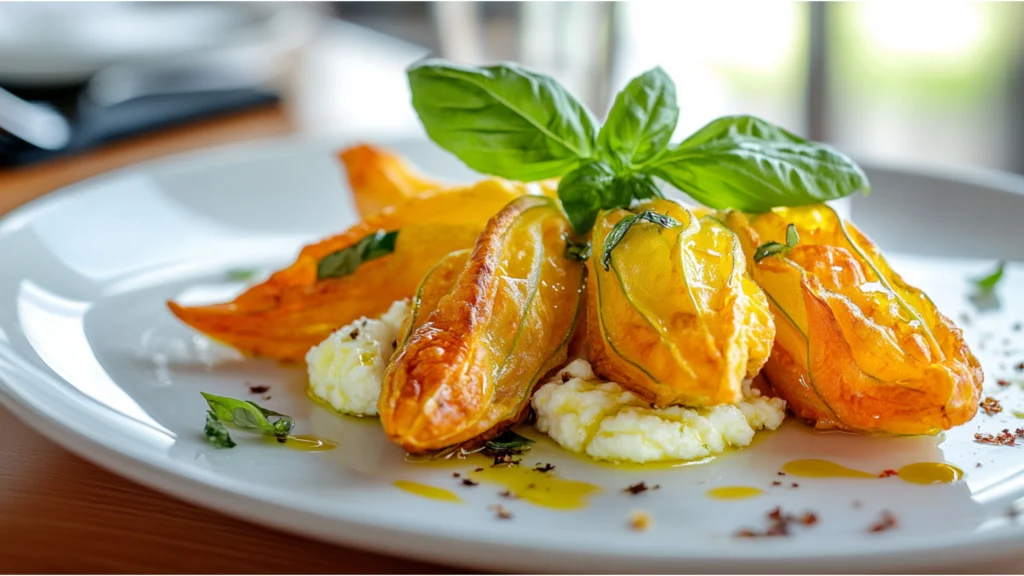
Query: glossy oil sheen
931,473
304,443
734,492
544,489
427,491
814,468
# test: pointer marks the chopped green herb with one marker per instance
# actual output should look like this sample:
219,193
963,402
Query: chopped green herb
579,251
989,282
1018,414
509,441
241,274
619,231
345,261
774,248
249,416
216,432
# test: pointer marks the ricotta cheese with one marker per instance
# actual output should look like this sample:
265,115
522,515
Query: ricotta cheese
346,370
607,422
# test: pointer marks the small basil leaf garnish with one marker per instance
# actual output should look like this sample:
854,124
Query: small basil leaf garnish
619,231
502,120
345,261
508,441
247,415
775,248
241,274
989,282
641,120
216,433
579,251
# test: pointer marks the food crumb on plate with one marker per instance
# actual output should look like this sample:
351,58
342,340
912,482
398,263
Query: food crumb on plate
639,487
779,524
888,472
887,522
640,520
991,406
501,512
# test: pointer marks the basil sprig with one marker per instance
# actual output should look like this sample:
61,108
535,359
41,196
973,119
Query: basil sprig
244,415
989,282
345,261
506,121
776,249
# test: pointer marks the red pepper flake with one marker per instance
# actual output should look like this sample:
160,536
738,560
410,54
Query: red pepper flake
991,406
258,389
781,473
794,485
468,482
888,522
1004,438
1020,367
888,472
978,465
779,524
1003,383
639,487
776,483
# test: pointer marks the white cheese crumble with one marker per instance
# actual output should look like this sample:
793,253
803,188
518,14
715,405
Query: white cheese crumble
606,422
346,370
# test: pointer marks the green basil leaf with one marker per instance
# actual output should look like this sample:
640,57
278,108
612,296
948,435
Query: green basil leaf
989,282
586,191
345,261
241,274
619,231
579,251
216,433
509,441
247,415
637,185
502,120
745,163
641,120
792,236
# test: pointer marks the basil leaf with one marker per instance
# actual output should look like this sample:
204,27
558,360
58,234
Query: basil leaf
241,274
637,185
216,433
619,231
745,163
579,251
246,415
508,441
641,120
502,120
345,261
989,282
586,191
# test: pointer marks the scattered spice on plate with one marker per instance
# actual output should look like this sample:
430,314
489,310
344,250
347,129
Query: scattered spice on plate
779,524
1020,366
478,470
888,522
776,483
888,472
1003,383
794,485
468,482
639,520
267,397
545,468
640,487
505,459
991,406
258,389
978,465
781,473
507,494
501,512
456,475
1004,438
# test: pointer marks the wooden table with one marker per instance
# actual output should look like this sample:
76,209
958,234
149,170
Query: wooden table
59,513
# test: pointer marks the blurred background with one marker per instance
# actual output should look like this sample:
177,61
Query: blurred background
924,83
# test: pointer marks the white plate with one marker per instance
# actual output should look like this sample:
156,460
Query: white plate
90,356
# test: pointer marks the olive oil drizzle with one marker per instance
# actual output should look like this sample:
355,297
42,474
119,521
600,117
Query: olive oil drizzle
917,473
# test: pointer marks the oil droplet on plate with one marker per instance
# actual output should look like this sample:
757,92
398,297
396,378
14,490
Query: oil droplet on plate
811,468
425,491
304,443
734,492
539,488
931,473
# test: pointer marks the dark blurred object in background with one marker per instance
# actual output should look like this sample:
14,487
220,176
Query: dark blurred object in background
115,70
